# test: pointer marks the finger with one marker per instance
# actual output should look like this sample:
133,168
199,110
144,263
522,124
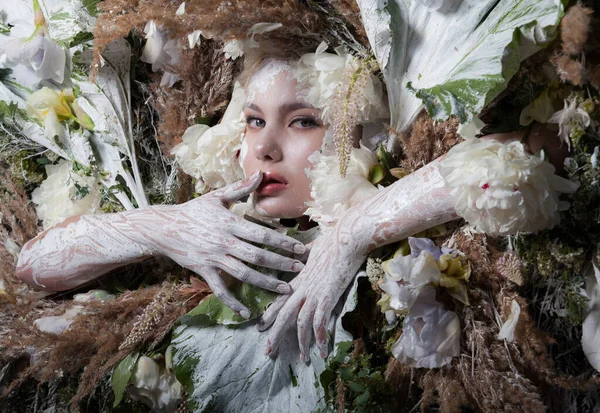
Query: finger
265,321
247,275
266,236
320,322
285,320
219,289
305,319
241,188
266,259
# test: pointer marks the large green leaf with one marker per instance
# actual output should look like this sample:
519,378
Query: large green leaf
455,60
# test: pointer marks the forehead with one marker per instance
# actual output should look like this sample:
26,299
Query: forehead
274,81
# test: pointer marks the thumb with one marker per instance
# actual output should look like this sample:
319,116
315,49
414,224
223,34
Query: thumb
241,188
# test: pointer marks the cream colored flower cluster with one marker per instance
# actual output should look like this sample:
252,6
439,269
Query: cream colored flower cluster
501,189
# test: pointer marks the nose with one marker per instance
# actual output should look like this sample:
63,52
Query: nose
267,146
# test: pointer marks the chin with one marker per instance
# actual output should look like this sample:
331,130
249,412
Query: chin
278,208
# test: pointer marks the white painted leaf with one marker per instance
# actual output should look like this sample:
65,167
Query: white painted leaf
590,338
224,367
457,60
67,18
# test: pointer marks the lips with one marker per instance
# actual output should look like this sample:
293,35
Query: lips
271,184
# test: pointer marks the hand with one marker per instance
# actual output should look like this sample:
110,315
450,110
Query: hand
334,261
205,237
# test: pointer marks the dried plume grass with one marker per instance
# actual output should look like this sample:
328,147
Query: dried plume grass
427,141
93,339
578,60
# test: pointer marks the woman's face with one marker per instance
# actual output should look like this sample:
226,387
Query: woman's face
282,131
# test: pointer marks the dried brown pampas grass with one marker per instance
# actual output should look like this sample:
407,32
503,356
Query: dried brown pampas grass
575,28
94,338
427,141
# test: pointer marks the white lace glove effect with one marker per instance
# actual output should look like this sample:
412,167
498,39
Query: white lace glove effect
201,235
205,237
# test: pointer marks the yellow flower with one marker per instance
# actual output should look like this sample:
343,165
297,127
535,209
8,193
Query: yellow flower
41,102
455,274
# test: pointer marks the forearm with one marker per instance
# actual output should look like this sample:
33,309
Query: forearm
414,203
82,248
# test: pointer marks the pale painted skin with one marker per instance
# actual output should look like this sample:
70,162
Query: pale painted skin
282,132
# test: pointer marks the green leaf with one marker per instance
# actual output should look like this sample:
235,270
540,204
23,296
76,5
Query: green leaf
356,387
376,174
212,311
363,398
121,375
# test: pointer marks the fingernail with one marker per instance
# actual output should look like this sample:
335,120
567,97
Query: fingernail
323,351
268,349
303,357
284,288
299,249
245,314
297,266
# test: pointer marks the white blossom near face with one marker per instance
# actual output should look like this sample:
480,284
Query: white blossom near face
282,131
569,118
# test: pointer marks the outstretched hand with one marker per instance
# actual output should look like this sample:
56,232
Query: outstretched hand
205,237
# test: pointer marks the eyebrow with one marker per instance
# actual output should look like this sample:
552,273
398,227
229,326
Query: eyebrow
288,107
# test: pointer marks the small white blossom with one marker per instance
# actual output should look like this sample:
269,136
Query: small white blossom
430,334
194,38
57,198
233,49
160,51
507,331
569,118
331,194
155,385
180,10
501,189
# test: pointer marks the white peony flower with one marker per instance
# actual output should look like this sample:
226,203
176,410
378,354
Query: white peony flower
58,197
155,385
160,51
405,277
324,72
211,154
569,118
331,194
500,189
430,334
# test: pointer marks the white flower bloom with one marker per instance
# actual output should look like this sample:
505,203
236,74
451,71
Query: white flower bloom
331,194
42,101
92,295
430,334
54,130
57,198
405,277
501,189
569,118
194,38
211,154
323,72
35,58
233,49
507,331
180,10
160,51
155,385
58,324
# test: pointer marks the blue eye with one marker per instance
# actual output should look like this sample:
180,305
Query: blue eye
305,122
255,122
